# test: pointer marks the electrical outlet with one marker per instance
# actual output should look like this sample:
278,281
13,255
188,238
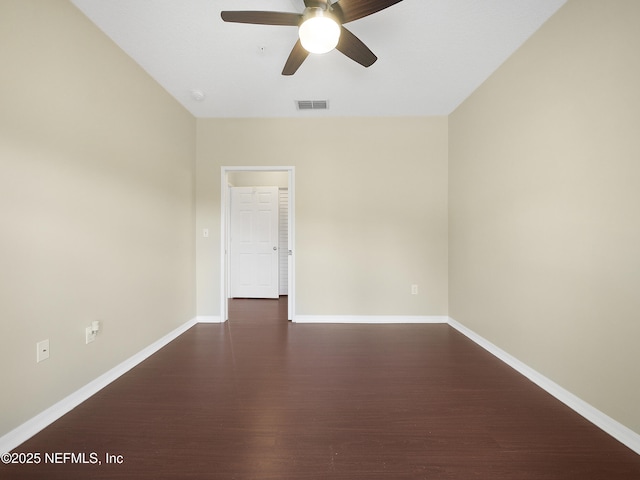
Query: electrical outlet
90,335
42,350
414,289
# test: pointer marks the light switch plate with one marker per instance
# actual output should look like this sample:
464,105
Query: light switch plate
89,335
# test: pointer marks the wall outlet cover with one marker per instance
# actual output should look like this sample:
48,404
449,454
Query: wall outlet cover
42,350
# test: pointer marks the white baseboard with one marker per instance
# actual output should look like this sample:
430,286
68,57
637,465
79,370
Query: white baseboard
28,429
618,431
209,319
370,319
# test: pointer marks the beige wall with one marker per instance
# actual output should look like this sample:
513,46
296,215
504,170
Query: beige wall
371,209
96,205
258,179
545,205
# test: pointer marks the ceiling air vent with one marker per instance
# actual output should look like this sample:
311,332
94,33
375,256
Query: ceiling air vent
312,104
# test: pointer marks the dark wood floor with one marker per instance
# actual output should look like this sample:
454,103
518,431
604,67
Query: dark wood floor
261,398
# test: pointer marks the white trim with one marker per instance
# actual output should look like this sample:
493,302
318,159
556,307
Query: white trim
291,219
224,201
614,428
31,427
28,429
370,319
208,319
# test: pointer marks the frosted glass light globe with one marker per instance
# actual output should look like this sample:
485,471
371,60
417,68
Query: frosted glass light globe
319,34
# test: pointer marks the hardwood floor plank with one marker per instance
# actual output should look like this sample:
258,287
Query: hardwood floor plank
262,398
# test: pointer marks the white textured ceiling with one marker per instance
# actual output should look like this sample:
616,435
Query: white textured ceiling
431,54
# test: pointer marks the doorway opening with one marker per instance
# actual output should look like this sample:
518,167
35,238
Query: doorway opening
231,175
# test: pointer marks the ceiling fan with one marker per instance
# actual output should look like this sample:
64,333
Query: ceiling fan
320,28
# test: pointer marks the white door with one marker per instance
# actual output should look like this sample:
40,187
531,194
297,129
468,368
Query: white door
254,242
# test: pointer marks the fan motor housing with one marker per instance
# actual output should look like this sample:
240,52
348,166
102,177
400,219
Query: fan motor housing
324,4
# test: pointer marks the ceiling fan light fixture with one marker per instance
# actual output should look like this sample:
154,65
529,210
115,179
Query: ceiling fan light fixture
319,32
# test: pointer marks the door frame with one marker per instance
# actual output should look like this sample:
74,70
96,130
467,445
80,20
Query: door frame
225,216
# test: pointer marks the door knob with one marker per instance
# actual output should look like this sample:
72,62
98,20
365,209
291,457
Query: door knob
275,248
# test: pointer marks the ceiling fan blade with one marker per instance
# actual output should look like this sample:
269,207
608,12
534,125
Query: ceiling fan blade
350,10
262,18
353,48
296,57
